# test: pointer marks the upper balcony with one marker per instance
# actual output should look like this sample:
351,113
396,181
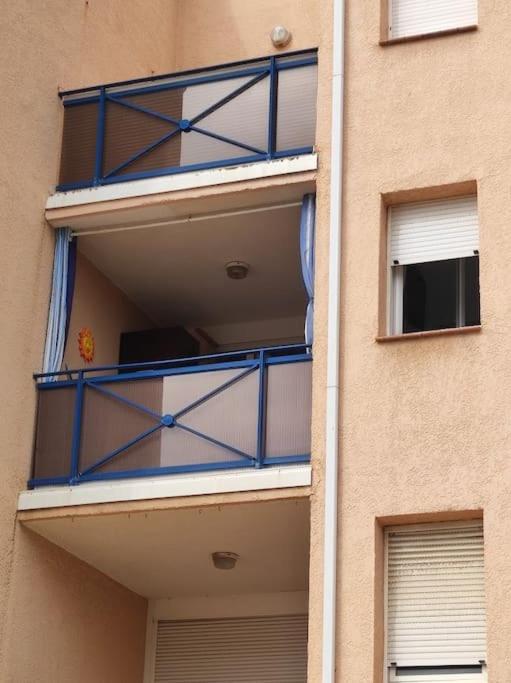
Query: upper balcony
230,115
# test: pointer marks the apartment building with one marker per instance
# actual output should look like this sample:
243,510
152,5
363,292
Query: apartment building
254,343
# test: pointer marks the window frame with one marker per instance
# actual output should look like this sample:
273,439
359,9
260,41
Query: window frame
394,275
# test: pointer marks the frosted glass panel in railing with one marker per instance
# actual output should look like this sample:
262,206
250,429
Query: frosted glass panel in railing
229,416
54,432
296,116
78,143
288,426
243,119
128,132
108,423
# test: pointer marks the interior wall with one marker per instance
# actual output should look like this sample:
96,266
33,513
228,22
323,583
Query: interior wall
255,333
240,605
103,308
45,46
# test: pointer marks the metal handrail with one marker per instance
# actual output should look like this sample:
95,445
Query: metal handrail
173,361
187,72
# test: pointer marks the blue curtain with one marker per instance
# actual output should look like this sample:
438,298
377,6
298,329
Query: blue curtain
307,227
60,302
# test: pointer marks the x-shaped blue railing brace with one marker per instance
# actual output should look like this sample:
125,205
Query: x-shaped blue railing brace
184,125
168,421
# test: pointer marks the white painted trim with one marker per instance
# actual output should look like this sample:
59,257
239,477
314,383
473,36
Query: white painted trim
213,607
170,486
183,181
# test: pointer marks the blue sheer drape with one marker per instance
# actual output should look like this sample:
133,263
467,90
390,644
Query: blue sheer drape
307,227
60,302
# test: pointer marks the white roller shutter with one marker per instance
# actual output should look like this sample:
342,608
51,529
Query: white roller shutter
435,597
416,17
235,650
434,230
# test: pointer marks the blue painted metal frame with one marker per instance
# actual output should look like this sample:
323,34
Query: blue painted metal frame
81,379
268,67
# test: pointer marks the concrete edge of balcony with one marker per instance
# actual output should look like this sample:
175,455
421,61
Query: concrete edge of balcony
166,184
168,486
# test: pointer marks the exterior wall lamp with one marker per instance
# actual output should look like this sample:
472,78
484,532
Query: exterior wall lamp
280,36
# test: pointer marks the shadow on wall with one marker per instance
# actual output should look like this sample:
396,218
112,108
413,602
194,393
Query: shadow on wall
77,624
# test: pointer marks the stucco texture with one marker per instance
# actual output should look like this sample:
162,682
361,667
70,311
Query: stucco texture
425,423
231,30
86,627
44,47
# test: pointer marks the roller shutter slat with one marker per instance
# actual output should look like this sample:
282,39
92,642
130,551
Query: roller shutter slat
434,231
435,598
416,17
237,650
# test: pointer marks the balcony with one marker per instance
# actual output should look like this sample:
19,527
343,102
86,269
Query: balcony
229,115
233,410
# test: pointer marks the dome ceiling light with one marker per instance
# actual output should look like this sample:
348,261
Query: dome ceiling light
224,559
236,270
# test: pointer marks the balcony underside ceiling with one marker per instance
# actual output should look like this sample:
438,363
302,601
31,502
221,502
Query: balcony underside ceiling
167,553
175,273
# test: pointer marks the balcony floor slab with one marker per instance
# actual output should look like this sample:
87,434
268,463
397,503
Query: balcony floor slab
179,182
171,486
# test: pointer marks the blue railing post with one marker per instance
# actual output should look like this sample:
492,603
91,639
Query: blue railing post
77,429
100,138
261,412
272,123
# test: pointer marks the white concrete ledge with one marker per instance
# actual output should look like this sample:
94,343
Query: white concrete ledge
183,181
169,486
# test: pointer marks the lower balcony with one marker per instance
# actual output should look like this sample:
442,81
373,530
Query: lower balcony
244,409
206,618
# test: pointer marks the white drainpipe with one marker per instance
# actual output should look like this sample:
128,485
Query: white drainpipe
333,382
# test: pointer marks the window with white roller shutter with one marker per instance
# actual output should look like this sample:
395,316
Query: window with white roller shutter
270,649
435,603
419,17
434,265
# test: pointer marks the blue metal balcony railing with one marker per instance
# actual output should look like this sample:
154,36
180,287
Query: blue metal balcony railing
228,115
243,409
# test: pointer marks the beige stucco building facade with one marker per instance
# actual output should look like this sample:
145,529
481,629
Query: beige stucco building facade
89,570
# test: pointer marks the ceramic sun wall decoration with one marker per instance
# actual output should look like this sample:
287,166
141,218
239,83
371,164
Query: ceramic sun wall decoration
86,344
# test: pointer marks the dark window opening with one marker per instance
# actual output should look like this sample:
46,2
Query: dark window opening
441,295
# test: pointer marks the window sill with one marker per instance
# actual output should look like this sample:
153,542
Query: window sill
430,333
423,36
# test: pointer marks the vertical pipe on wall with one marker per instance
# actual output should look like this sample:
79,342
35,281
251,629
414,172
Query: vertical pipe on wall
333,365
